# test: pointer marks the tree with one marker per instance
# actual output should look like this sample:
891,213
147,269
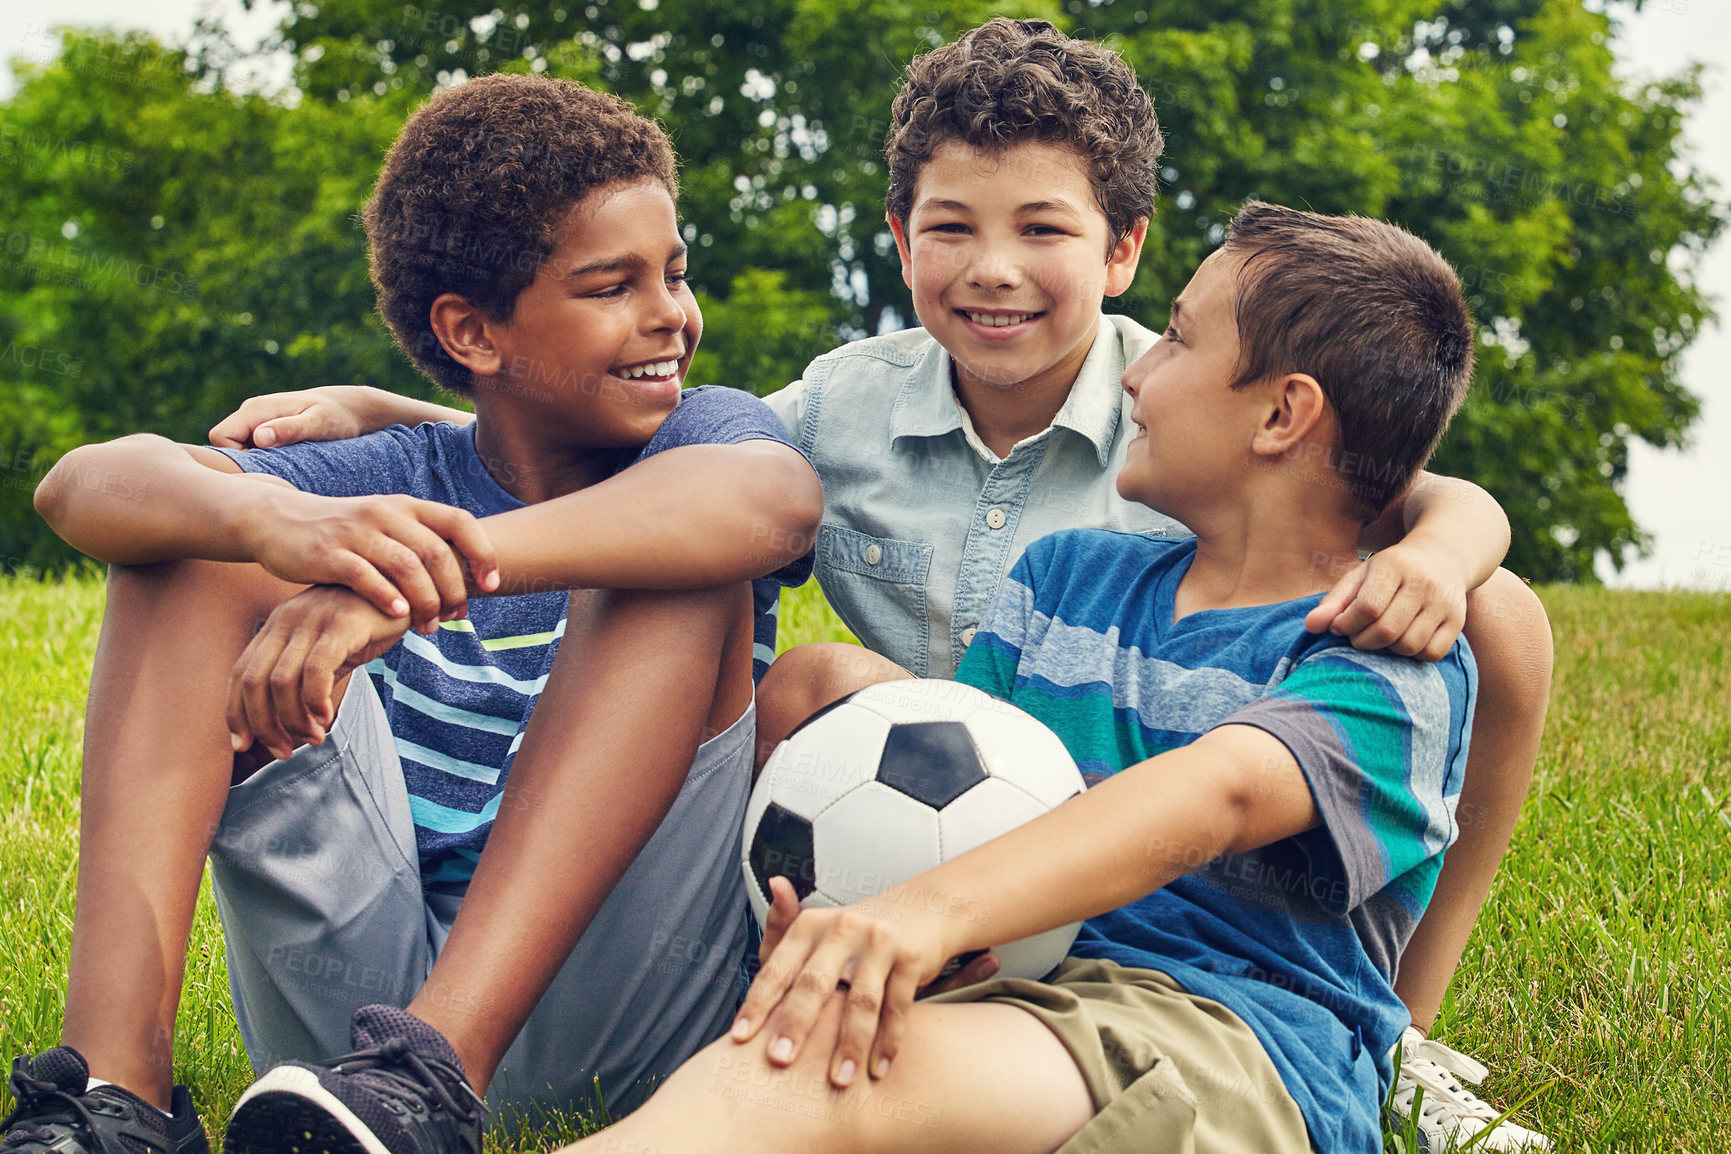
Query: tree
1494,128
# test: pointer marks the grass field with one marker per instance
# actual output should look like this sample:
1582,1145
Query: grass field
1599,974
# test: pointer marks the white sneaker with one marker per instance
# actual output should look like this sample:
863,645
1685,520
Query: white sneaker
1449,1114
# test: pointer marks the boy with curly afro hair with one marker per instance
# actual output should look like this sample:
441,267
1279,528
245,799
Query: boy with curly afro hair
504,854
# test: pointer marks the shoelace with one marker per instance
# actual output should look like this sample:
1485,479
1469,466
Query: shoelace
1436,1067
33,1094
386,1064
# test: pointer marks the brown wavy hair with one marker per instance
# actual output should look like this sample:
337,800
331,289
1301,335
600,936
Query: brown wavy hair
474,190
1375,315
1010,81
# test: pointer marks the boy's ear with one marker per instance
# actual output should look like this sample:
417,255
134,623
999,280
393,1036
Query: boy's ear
900,229
467,334
1297,411
1125,255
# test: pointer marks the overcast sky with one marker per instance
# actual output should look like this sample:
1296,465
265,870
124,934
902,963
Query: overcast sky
1682,498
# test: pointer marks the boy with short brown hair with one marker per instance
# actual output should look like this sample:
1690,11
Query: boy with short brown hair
1269,806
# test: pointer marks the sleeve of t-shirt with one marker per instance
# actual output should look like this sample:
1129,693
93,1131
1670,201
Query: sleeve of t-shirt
391,460
789,406
716,415
1010,626
1382,741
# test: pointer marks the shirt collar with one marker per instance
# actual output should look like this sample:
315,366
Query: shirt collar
927,405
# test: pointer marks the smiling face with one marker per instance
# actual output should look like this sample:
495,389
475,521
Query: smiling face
1008,256
1193,429
601,339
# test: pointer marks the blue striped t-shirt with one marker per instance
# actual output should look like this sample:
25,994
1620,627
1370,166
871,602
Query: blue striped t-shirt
458,701
1299,938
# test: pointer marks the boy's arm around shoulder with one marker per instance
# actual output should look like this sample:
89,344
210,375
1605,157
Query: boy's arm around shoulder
692,517
1436,543
325,413
717,497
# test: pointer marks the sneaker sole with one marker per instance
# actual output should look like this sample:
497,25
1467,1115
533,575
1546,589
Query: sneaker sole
288,1112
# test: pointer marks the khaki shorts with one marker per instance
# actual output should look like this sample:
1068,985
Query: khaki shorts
1168,1071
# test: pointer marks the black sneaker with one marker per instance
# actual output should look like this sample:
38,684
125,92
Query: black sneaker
403,1091
57,1112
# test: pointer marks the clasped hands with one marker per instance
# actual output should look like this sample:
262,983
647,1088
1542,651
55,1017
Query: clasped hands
376,566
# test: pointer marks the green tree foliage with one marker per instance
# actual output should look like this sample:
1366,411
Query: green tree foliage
1494,128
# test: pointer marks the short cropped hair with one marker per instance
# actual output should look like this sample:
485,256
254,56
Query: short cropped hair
1010,81
1375,315
473,192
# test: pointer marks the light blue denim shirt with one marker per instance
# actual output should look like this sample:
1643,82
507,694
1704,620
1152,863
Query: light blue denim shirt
921,520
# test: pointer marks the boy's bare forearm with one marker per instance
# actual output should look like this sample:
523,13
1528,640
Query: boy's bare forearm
695,517
144,498
1457,516
1232,790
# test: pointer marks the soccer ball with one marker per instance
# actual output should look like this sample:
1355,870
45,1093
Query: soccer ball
894,779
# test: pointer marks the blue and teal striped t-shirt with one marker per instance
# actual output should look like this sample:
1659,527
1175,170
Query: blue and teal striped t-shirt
458,701
1300,938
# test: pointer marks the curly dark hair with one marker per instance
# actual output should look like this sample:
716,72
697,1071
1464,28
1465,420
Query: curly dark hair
474,190
1375,315
1009,81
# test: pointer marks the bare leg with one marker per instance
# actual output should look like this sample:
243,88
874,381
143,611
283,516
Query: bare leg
641,679
1511,640
970,1077
808,677
157,767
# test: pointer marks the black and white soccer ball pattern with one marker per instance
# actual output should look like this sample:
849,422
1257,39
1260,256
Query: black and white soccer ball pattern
894,779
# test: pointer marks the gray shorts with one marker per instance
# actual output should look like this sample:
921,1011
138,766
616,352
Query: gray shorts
319,889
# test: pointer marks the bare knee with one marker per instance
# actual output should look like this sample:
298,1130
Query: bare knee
194,587
807,678
1510,635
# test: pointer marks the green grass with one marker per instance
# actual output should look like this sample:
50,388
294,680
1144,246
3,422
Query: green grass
1599,969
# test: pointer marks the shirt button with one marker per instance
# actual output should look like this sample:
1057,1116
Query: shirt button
873,554
968,635
995,518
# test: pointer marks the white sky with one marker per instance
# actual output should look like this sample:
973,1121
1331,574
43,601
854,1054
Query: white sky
1682,498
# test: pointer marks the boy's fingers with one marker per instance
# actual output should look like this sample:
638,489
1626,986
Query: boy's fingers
898,996
403,567
317,679
814,985
1338,598
304,426
976,969
468,536
783,909
859,1023
1392,623
234,710
288,688
240,428
1440,643
441,564
770,985
254,688
359,574
1375,592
